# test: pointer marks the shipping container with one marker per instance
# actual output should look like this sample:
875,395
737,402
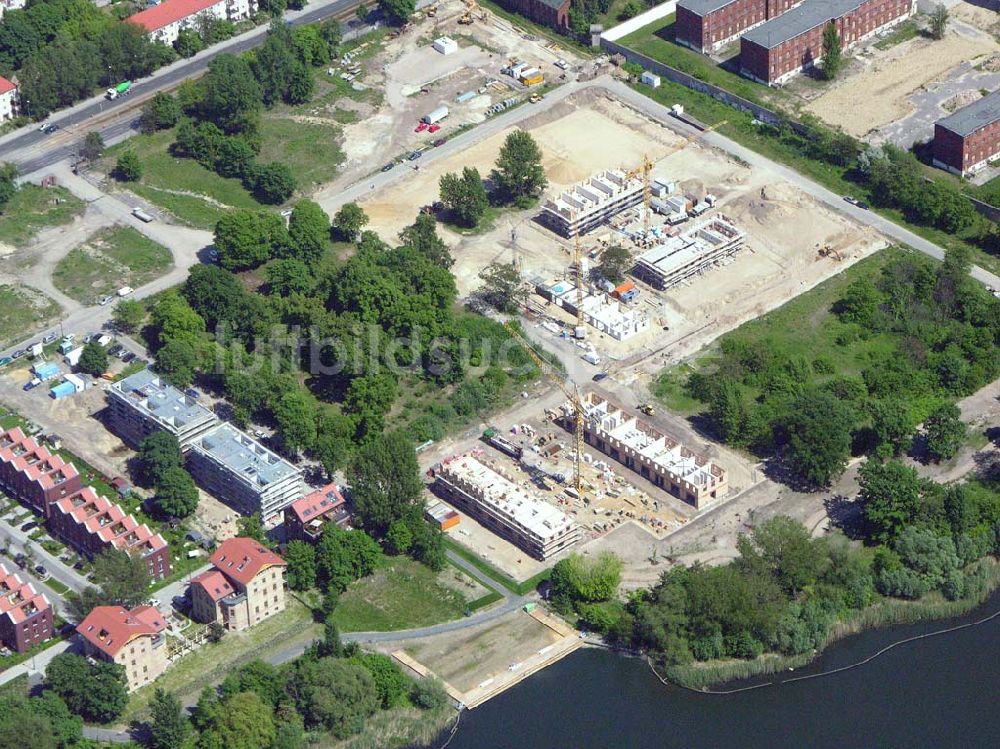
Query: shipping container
435,116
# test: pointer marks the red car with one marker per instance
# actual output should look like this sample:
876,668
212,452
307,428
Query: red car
433,128
421,127
439,142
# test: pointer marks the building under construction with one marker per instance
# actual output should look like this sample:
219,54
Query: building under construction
656,457
681,256
589,204
601,311
480,489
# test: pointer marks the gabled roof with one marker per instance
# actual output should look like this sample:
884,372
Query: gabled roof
18,599
241,559
317,503
6,85
110,628
215,584
975,116
168,12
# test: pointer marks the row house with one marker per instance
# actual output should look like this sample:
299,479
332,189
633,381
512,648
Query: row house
25,614
32,474
134,639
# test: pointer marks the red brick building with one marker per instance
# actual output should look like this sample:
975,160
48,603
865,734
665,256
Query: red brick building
306,517
707,25
25,616
33,475
552,13
775,51
965,141
93,524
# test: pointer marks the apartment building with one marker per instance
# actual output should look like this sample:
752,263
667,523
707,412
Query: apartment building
30,473
92,524
165,21
708,25
967,140
243,473
480,489
144,403
779,49
636,444
589,204
134,639
305,518
687,254
8,96
244,587
25,614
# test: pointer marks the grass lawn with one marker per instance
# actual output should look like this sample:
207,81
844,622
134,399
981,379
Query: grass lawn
192,193
311,150
803,327
57,586
24,309
210,663
401,594
33,208
904,32
108,260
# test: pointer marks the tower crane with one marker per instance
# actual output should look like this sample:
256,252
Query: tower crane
646,167
571,391
578,261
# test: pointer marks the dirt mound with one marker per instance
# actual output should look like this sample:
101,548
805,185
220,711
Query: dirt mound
766,207
960,100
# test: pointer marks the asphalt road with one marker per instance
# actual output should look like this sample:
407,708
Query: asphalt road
32,150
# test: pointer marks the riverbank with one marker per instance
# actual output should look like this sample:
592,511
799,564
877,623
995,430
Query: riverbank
885,613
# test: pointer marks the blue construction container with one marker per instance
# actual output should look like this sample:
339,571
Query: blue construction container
62,390
46,370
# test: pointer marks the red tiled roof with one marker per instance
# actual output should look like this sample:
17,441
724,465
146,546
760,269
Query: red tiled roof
317,503
214,583
110,628
168,12
242,558
6,85
18,600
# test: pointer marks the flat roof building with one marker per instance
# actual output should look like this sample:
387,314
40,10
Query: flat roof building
601,311
589,204
664,461
134,639
480,489
243,473
144,403
25,614
966,141
689,253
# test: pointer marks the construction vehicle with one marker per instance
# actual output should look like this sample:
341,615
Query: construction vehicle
120,90
471,10
432,11
535,98
828,251
572,393
647,409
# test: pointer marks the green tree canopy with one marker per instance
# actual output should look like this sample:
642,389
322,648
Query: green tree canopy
168,726
833,57
301,560
397,12
162,111
385,480
176,494
308,232
945,432
464,197
247,238
349,221
94,692
128,315
819,437
518,175
231,96
128,168
158,453
93,359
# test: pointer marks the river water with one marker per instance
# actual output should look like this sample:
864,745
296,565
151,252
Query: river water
936,692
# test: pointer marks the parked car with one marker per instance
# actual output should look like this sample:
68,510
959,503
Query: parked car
855,202
599,376
5,361
49,338
421,127
115,350
192,393
18,354
414,155
439,142
78,565
29,526
388,166
31,384
433,128
49,129
106,299
41,571
129,356
122,352
125,290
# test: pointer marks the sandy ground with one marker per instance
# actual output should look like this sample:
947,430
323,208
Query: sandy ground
882,90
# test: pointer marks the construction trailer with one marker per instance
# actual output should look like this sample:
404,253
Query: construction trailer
662,460
480,489
445,45
589,204
679,258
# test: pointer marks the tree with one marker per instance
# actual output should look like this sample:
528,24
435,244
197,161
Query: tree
128,315
8,186
94,692
428,693
945,432
158,453
391,684
503,287
273,183
464,197
361,11
231,96
581,579
349,221
244,722
178,360
939,21
93,359
123,579
301,560
176,495
422,236
44,718
819,437
168,726
246,238
162,111
174,318
250,526
288,276
833,59
93,146
892,494
518,175
781,547
343,557
188,43
308,232
616,261
335,694
397,12
630,10
128,168
893,425
295,413
385,478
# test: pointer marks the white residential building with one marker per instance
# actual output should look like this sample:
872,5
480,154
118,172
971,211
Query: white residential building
165,21
8,100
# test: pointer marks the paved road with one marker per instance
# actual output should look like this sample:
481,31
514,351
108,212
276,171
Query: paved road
32,150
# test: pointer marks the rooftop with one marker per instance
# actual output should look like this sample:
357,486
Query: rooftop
168,12
215,584
6,85
592,193
798,20
154,396
979,114
110,628
703,7
506,498
18,599
242,558
244,456
317,503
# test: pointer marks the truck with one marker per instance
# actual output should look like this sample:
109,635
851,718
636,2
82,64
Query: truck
432,118
493,437
120,90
